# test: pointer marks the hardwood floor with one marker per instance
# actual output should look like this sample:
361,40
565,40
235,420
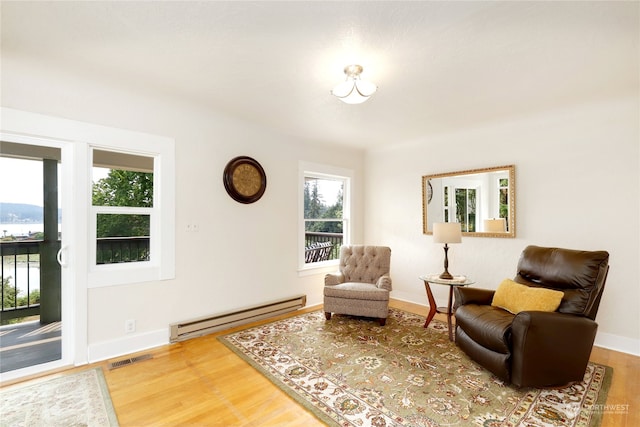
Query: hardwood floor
202,383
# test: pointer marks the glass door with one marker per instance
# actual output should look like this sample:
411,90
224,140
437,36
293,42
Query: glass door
31,314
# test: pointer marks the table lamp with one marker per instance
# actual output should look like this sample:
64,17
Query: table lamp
447,232
495,225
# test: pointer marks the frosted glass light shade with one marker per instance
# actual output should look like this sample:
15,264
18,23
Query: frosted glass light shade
354,90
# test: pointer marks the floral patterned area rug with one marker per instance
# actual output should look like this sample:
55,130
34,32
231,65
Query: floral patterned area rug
353,372
78,399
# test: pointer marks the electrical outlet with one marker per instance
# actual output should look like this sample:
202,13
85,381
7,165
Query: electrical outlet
129,326
193,228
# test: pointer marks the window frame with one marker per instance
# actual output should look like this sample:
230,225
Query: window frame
161,265
315,170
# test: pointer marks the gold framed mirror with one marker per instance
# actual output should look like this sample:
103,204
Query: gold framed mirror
483,201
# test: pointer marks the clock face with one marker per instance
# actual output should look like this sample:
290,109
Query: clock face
244,179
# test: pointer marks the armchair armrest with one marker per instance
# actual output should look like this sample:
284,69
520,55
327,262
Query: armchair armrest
384,282
478,296
550,344
333,279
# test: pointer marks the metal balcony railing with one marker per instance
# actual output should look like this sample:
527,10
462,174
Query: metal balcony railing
111,250
23,257
312,238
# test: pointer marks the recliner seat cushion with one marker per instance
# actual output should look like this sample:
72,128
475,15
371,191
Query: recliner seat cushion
356,290
488,326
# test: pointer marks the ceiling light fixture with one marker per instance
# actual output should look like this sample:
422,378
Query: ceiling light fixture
354,90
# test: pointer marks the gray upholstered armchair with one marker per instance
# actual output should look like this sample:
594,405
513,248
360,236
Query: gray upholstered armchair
362,285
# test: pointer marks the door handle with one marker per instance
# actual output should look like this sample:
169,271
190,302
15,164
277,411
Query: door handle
62,262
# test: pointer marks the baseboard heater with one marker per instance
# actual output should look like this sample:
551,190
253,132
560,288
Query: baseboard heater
206,325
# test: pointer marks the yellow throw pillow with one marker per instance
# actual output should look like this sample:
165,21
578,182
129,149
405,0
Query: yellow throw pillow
515,298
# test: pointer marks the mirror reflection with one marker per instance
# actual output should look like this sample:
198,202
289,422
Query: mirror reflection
481,200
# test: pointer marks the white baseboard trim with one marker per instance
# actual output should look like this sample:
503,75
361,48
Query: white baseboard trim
409,297
618,343
130,344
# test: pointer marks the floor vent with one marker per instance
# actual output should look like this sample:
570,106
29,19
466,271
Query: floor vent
130,361
206,325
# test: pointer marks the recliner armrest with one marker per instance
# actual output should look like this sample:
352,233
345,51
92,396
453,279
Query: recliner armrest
384,282
332,279
538,327
465,295
550,339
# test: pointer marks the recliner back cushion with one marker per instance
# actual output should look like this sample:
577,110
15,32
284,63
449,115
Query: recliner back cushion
579,274
364,263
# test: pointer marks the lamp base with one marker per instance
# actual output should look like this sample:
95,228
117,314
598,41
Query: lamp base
446,276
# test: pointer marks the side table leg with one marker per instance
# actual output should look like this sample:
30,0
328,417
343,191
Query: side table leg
449,312
432,304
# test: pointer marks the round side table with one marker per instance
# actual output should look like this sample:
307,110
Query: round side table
448,310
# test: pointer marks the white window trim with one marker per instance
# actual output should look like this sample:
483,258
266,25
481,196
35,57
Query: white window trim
330,172
161,266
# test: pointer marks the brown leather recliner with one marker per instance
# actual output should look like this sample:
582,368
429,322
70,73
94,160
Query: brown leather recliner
536,348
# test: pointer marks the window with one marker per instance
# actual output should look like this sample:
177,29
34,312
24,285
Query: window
131,228
466,208
324,214
446,208
122,201
503,193
460,204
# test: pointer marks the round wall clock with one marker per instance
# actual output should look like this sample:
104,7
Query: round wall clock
244,179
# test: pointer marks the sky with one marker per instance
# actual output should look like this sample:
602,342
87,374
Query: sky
21,180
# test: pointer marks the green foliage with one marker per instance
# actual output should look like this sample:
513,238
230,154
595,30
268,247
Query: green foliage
11,298
123,188
8,294
123,225
316,208
34,298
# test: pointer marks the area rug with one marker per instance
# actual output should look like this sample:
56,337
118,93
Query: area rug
353,372
78,399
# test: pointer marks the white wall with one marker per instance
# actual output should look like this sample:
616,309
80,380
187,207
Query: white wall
242,255
577,184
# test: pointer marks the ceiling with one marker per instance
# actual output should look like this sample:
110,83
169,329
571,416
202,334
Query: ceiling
439,66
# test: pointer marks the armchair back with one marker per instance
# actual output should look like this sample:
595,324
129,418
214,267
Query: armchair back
581,275
365,264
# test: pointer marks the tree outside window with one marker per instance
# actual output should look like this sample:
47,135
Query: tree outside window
324,222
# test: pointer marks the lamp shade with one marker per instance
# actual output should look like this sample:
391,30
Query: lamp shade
495,225
447,232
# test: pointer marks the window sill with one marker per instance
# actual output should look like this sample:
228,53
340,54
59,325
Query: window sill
318,268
